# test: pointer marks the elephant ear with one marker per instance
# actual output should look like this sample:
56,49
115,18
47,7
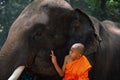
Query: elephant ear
96,26
93,21
88,33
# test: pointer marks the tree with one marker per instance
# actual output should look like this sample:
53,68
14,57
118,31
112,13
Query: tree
101,9
9,11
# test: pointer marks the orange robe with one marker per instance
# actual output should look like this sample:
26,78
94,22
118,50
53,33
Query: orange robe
77,70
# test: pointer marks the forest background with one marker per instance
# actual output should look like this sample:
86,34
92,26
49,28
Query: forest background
101,9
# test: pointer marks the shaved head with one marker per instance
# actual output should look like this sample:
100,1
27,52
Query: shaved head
79,46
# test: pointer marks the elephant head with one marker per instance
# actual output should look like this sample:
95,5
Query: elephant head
45,25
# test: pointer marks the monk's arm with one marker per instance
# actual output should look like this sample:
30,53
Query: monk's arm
58,69
65,61
55,63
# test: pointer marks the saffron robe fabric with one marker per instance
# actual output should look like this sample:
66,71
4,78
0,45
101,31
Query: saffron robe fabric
78,69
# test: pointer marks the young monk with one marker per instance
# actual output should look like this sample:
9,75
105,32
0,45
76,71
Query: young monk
76,66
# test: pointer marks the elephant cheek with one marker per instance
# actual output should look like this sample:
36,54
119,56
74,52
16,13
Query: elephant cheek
59,42
41,66
92,48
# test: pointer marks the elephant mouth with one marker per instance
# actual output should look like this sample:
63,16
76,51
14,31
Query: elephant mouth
40,67
44,69
42,64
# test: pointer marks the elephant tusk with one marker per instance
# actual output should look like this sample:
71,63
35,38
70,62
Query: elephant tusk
16,73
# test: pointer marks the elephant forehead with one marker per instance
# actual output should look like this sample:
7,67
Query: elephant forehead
115,30
24,23
55,3
39,18
112,27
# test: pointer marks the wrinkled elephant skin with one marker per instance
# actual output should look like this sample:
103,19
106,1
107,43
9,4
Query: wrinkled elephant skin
46,25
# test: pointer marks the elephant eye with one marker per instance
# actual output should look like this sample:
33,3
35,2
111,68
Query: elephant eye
37,31
76,23
38,34
52,34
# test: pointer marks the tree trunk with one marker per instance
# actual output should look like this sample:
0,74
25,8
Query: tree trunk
103,8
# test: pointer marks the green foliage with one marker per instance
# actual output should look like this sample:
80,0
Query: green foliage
10,10
101,9
113,10
93,7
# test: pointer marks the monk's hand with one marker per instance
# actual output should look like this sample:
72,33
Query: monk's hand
53,57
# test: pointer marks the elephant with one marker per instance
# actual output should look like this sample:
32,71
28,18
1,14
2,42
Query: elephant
46,25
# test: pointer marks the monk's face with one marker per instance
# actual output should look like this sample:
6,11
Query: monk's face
74,53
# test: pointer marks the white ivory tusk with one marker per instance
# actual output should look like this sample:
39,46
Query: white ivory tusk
16,73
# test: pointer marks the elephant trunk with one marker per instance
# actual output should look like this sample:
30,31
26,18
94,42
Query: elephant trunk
12,55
